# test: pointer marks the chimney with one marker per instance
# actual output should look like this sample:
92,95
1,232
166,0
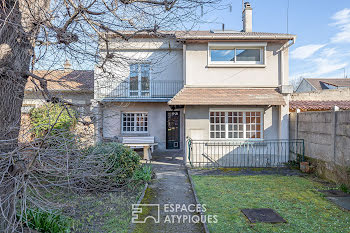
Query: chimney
247,16
67,66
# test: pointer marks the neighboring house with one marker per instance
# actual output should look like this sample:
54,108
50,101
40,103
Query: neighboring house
320,100
76,86
205,85
318,84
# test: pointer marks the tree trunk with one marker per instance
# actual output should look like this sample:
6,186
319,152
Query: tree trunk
17,32
11,94
19,27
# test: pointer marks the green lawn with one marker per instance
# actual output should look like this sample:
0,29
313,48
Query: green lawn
295,198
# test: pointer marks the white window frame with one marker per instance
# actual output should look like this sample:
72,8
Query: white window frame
139,80
135,116
261,111
235,46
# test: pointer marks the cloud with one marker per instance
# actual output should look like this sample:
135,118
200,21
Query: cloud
306,51
321,67
328,52
226,52
325,60
342,17
342,22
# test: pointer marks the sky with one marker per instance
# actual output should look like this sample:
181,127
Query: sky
322,48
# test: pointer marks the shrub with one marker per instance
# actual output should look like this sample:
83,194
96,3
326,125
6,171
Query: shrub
44,117
119,159
44,221
143,173
344,188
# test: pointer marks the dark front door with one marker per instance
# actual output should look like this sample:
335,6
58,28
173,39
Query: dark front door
173,130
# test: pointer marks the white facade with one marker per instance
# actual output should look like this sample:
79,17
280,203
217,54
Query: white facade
199,72
175,64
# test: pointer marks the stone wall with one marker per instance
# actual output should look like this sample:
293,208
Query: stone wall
85,132
324,95
327,141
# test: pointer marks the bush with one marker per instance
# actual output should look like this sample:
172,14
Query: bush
44,117
44,221
120,159
143,173
344,188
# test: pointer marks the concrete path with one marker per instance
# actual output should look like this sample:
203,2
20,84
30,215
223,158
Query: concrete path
171,186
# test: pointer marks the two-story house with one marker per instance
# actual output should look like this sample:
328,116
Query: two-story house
203,85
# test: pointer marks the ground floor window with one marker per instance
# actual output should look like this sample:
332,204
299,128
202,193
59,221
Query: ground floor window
134,122
236,124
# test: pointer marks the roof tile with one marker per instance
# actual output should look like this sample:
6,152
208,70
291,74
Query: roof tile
338,82
60,80
205,35
227,96
311,105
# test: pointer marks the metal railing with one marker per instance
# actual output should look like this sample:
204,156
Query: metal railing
139,90
248,153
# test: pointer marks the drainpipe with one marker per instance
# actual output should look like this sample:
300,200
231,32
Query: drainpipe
290,44
184,63
280,51
281,84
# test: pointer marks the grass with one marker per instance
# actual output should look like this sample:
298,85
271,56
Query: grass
295,198
46,221
97,212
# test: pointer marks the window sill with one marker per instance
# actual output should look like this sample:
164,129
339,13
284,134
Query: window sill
236,66
135,134
236,142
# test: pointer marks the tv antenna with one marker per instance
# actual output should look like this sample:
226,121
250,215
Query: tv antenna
287,16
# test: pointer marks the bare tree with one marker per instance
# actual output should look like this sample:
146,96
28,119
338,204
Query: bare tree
296,82
36,32
40,33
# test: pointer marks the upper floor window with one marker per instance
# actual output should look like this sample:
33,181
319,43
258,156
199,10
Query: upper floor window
139,80
236,53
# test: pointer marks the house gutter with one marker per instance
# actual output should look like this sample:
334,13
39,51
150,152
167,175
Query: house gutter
236,37
290,44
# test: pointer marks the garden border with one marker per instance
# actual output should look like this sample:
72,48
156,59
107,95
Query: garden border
205,226
132,225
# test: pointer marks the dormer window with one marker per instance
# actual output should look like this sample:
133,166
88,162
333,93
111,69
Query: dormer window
236,54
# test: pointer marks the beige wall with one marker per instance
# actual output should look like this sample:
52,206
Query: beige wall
35,99
198,72
335,94
170,62
197,128
164,56
197,121
156,121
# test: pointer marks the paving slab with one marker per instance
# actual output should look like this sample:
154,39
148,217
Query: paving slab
266,215
171,186
343,202
334,193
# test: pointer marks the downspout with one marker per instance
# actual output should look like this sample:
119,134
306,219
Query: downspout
280,51
184,47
